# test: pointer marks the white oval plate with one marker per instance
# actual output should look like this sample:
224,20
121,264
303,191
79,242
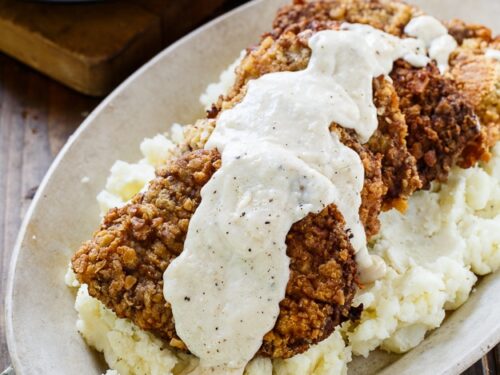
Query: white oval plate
40,317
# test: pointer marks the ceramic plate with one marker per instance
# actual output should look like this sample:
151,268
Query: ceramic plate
41,329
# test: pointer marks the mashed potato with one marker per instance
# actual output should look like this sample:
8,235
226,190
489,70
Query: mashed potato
431,264
433,252
126,179
129,350
226,79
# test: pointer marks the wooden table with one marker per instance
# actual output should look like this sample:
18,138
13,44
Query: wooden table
37,115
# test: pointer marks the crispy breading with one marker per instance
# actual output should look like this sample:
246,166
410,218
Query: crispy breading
386,149
399,166
373,186
321,287
461,31
123,263
389,16
440,122
478,79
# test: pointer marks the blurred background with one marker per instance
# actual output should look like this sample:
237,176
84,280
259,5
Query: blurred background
92,46
57,61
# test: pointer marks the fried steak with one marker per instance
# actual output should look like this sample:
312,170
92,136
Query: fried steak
427,123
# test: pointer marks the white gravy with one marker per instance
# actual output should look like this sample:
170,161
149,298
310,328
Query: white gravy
493,53
436,39
279,162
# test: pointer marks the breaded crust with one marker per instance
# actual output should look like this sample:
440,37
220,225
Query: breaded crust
123,263
389,16
399,167
440,121
427,122
478,79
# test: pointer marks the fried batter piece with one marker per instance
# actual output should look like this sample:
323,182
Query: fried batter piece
397,176
399,167
373,186
478,79
440,122
388,146
389,16
124,262
427,123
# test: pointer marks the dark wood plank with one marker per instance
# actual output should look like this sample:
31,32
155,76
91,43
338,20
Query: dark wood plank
12,134
66,112
491,365
90,47
37,116
476,369
496,355
180,16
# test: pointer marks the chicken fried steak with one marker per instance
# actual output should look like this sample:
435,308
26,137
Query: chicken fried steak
427,123
124,262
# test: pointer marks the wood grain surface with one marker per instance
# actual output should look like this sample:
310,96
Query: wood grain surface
91,47
37,116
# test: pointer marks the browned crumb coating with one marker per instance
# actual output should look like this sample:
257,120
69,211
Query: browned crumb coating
389,16
399,168
123,263
477,77
427,123
440,122
321,286
373,185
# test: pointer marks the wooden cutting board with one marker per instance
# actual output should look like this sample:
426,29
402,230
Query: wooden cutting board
91,47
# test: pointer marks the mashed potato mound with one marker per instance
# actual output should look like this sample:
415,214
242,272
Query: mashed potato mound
129,350
127,179
226,80
126,348
432,265
433,253
330,356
